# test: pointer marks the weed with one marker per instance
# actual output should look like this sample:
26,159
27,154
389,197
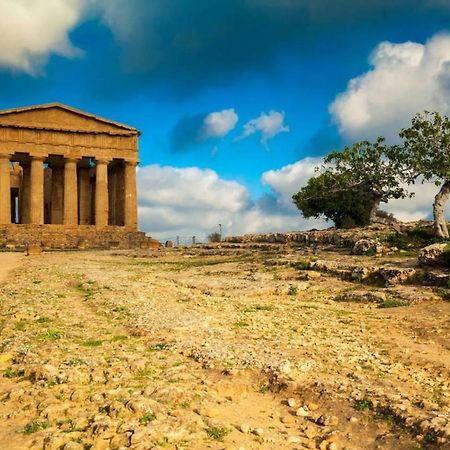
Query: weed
36,281
393,303
44,320
92,343
217,433
121,309
52,335
33,427
147,418
301,265
363,405
159,347
264,389
119,338
370,252
259,308
77,362
20,325
10,373
163,442
293,290
241,324
145,373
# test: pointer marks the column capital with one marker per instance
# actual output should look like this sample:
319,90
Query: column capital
38,158
102,160
70,159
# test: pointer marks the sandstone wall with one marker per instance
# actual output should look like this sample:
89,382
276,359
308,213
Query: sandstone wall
82,237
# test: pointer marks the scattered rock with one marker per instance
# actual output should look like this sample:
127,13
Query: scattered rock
431,254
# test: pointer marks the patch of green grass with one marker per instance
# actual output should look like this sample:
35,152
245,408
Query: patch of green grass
370,252
217,433
160,346
241,324
20,325
147,418
52,335
389,416
163,442
10,373
259,308
145,373
92,343
43,320
77,362
264,389
87,292
119,338
393,303
363,405
33,427
121,309
293,290
301,265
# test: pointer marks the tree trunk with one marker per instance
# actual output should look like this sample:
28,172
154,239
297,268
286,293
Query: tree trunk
373,212
440,224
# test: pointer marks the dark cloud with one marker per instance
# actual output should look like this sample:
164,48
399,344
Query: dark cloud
189,44
187,132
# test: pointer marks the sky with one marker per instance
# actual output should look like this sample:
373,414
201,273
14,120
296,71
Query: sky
237,100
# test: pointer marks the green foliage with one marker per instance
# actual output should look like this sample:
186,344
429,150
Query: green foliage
217,433
301,265
52,335
293,290
33,427
147,418
363,405
352,184
11,373
393,303
92,343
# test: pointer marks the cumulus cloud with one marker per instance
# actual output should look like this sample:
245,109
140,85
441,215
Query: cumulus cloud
219,124
194,129
405,79
31,30
267,125
192,201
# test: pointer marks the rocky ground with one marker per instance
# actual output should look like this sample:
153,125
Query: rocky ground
221,348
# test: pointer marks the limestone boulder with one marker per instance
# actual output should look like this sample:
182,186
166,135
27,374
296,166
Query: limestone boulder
432,254
366,246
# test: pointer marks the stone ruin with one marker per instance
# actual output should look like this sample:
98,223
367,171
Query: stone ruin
67,180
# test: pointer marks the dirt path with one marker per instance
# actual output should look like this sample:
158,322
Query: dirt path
9,262
102,351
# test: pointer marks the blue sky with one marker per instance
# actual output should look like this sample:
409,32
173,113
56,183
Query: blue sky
271,76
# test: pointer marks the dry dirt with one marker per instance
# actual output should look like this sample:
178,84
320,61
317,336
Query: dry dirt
221,349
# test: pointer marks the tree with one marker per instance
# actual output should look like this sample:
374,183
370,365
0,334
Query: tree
426,152
353,183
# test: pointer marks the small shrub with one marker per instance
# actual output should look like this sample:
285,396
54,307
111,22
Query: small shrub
92,343
20,325
147,418
119,338
33,427
160,346
363,405
301,265
393,303
52,335
10,373
43,320
214,237
293,290
121,309
217,433
240,324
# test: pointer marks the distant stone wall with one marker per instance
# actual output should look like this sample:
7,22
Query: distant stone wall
81,237
331,236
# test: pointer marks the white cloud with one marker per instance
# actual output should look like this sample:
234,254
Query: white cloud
406,78
31,30
219,124
268,125
192,201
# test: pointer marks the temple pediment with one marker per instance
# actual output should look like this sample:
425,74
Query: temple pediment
59,117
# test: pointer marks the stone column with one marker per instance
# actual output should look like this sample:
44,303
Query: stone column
70,192
84,195
57,213
25,194
130,195
37,190
101,193
5,190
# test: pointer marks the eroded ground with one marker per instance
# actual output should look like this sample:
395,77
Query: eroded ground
231,348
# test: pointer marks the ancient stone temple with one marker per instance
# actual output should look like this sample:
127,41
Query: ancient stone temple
67,179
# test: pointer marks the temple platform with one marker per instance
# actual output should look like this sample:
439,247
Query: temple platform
62,237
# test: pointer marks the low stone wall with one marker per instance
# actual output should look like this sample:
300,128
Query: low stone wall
331,236
55,237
